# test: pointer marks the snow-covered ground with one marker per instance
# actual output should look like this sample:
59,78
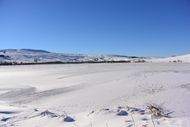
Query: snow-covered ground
95,95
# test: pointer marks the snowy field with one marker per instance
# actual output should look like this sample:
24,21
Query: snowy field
95,95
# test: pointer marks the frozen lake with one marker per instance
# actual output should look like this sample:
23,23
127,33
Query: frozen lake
78,90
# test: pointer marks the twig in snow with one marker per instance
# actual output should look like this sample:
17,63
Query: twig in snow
152,121
133,120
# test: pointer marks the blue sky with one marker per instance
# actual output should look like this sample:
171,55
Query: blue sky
128,27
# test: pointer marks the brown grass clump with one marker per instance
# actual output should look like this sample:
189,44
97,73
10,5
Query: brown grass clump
155,110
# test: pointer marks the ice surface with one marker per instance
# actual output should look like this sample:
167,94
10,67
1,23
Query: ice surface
93,94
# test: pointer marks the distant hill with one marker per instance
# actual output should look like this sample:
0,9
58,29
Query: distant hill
33,56
174,59
21,56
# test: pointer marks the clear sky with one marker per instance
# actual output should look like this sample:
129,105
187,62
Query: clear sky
128,27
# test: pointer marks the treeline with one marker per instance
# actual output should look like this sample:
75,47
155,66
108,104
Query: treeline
60,62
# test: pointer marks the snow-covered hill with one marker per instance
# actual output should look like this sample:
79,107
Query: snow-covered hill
176,59
41,56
